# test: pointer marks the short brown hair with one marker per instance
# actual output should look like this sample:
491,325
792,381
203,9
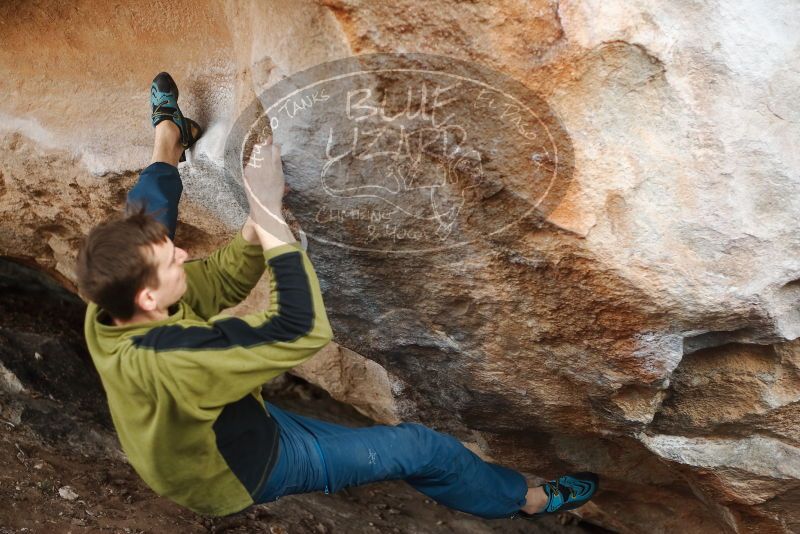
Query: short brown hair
114,262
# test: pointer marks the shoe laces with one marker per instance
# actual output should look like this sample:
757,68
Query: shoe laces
556,492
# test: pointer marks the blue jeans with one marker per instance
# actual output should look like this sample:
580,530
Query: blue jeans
319,456
159,191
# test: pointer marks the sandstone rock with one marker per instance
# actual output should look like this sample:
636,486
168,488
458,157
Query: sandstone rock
644,327
351,378
66,492
9,381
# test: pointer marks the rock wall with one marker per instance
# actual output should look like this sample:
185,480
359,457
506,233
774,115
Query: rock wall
644,328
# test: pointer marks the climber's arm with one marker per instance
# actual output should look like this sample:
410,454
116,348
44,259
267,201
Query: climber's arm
227,276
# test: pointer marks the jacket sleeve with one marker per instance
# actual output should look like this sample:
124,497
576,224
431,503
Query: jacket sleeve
210,364
224,278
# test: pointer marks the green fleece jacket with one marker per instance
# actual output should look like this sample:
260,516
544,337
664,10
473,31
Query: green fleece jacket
184,392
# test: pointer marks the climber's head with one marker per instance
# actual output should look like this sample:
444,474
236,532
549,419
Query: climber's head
130,267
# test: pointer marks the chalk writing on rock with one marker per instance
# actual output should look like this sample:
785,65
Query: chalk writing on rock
413,153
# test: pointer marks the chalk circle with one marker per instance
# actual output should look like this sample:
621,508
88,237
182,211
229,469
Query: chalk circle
408,153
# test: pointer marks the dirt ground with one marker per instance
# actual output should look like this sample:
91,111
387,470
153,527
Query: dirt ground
78,486
61,469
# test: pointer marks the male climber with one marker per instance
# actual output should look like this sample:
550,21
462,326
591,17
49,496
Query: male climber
183,381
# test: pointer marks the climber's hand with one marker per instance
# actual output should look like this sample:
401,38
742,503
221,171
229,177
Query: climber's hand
265,185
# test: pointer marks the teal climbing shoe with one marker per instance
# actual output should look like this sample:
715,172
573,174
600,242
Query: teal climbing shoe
164,106
566,493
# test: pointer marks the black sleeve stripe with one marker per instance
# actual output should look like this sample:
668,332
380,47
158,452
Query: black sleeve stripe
295,318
